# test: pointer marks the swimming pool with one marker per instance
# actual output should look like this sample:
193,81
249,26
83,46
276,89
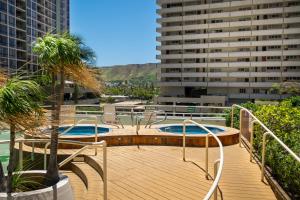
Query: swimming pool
82,130
4,149
190,129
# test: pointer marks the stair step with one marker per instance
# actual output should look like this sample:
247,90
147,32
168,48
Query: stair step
92,179
78,187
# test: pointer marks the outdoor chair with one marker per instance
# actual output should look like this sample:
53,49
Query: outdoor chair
110,116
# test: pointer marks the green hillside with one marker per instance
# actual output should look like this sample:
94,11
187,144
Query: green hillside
128,72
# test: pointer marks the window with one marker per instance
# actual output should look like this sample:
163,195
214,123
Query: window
3,40
12,21
12,53
215,79
242,90
12,32
11,10
3,6
3,29
12,42
3,18
273,78
3,52
256,91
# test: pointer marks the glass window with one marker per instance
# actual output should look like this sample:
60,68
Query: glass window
12,32
3,6
12,53
12,10
13,2
3,18
4,62
33,6
3,52
3,40
3,29
12,21
12,42
242,90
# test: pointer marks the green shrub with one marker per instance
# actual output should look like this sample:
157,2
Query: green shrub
284,120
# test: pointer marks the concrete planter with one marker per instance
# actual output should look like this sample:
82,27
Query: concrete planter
61,191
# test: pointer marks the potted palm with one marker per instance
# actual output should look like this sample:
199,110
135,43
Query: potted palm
20,110
63,56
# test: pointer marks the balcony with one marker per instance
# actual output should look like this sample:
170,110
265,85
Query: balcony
200,100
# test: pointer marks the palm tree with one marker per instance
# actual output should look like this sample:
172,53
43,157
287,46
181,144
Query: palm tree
19,107
62,55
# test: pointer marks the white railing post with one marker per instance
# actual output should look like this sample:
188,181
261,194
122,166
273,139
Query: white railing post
216,167
96,134
251,138
241,127
132,118
104,171
32,151
206,154
21,155
183,139
45,155
263,154
232,115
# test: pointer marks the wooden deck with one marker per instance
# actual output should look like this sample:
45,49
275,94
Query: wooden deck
158,172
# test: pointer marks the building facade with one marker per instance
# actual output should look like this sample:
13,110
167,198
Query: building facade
226,51
21,22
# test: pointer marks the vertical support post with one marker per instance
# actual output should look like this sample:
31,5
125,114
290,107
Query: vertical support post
206,154
183,139
132,119
216,167
45,155
32,151
174,108
21,155
104,171
96,134
263,155
232,115
241,127
251,139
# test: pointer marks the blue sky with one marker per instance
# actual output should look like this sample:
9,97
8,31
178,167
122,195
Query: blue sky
119,31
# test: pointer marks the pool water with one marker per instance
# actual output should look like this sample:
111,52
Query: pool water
190,129
4,149
83,130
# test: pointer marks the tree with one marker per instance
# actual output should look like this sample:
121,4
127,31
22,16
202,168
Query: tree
292,88
63,55
19,108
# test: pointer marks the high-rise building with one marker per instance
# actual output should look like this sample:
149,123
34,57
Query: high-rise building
21,22
227,51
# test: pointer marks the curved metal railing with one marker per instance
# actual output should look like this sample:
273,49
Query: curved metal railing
217,169
268,132
86,145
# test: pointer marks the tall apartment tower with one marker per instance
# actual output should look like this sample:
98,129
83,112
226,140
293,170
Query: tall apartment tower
21,22
226,51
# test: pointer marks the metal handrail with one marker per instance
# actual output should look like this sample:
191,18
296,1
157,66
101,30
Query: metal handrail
217,169
145,105
71,157
86,145
268,132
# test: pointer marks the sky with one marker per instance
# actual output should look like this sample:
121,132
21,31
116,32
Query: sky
119,31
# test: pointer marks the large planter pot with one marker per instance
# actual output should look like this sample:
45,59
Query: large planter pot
61,191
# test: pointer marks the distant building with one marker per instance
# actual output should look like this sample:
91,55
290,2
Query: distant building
21,22
226,51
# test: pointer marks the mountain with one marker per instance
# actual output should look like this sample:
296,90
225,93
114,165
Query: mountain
128,72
